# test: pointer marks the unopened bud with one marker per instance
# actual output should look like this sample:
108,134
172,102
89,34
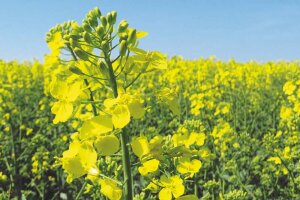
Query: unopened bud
81,54
105,45
97,11
87,38
123,47
86,27
93,21
122,26
76,70
114,17
123,36
73,42
102,67
100,30
109,18
132,36
103,21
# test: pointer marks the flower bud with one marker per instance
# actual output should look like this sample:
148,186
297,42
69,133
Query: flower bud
73,43
93,21
123,47
66,37
103,21
76,70
86,26
132,36
123,36
105,45
114,17
97,12
100,31
109,18
109,168
122,26
81,54
87,38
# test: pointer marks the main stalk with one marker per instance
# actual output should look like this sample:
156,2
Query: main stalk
124,141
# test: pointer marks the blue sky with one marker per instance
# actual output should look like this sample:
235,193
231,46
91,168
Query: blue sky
244,30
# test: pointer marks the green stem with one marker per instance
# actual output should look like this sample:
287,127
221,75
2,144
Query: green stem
124,140
126,167
81,191
195,186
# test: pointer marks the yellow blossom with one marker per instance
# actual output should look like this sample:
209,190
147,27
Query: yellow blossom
110,189
172,186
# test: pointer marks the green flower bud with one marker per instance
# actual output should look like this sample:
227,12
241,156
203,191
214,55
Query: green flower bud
73,43
102,67
87,38
100,31
76,70
105,45
75,36
113,164
103,21
122,26
119,168
86,26
93,21
123,36
97,12
109,168
123,47
114,17
109,18
81,54
132,36
66,37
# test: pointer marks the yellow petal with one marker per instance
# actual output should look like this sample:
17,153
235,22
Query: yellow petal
140,146
96,126
73,92
107,145
110,189
62,110
178,187
141,34
120,116
136,109
78,159
165,194
149,166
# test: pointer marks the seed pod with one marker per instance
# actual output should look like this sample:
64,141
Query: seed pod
131,36
103,21
81,54
100,31
122,26
123,47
